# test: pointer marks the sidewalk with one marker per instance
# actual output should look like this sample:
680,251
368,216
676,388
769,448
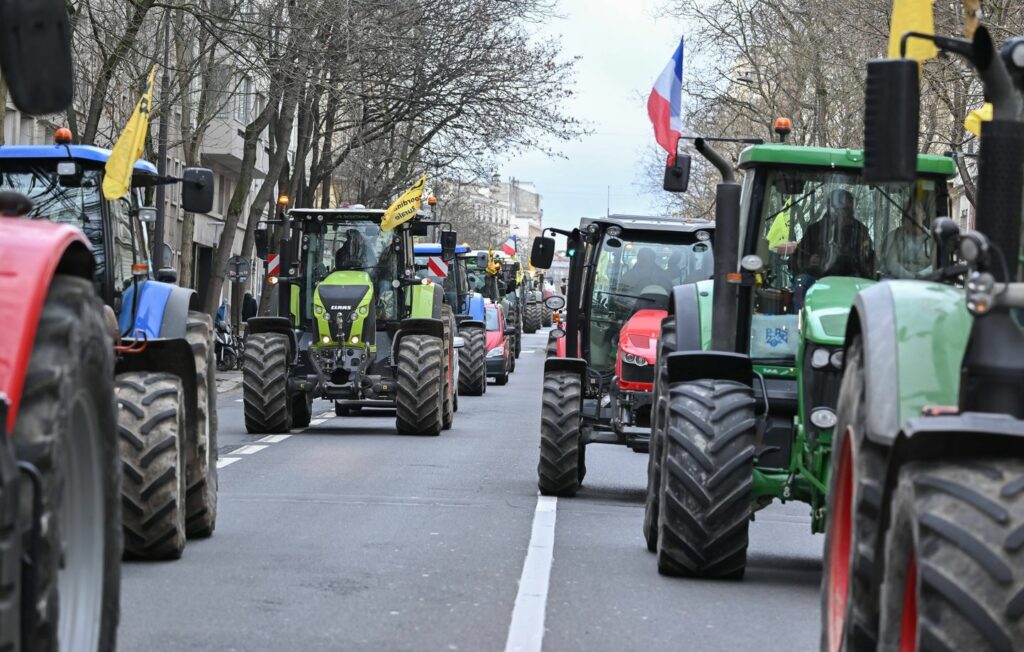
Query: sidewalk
228,381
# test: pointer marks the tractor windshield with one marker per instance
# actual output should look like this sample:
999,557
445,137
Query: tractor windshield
79,201
816,223
354,245
634,274
449,274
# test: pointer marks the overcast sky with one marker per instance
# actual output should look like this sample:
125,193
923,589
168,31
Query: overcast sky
623,49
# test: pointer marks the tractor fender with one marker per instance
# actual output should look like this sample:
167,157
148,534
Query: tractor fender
173,356
31,253
426,301
683,305
418,326
685,366
161,310
273,325
913,335
471,323
576,366
476,306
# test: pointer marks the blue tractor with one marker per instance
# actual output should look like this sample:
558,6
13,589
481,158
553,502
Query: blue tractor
165,381
468,306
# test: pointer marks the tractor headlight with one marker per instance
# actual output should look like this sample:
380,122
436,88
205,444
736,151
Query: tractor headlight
318,310
326,339
837,359
496,352
637,360
823,418
355,339
819,358
363,310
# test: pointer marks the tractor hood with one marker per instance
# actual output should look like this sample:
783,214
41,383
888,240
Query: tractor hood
638,343
343,308
827,307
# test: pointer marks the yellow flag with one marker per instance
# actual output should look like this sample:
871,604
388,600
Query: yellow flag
405,207
118,178
976,117
912,16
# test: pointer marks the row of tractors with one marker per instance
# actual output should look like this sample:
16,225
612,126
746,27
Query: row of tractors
371,317
846,346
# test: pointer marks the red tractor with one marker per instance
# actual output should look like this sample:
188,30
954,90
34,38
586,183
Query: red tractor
60,477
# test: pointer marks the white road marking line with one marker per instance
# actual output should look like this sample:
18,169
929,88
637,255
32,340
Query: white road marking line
248,449
325,415
225,461
239,400
528,351
272,439
316,422
526,632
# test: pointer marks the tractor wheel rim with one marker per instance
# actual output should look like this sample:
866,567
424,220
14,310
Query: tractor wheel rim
841,523
82,521
908,622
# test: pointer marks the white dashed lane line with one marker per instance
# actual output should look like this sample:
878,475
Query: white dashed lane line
526,631
248,449
272,439
226,461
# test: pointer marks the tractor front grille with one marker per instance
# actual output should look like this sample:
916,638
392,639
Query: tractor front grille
634,374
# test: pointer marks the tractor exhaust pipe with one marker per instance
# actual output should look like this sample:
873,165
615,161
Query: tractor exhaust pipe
727,244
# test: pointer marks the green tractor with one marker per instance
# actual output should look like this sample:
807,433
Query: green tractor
495,276
358,327
925,540
533,302
745,402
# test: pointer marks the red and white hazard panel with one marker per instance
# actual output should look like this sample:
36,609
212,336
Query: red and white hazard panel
437,266
273,264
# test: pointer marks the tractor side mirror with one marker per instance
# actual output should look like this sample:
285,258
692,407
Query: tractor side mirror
197,190
482,260
892,105
262,243
677,174
543,252
448,241
35,54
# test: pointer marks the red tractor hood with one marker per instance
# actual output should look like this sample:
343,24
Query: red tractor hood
639,337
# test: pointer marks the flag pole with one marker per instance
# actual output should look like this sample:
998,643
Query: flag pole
161,163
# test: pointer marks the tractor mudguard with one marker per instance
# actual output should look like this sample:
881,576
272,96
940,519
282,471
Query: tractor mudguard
31,252
161,310
173,356
913,335
684,366
684,306
272,325
476,306
576,366
470,323
426,301
418,326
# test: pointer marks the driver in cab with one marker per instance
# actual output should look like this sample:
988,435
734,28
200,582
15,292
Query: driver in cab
836,245
645,272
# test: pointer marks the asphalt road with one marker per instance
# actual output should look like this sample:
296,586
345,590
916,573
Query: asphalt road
346,536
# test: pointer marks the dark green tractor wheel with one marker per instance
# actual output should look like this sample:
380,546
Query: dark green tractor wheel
420,397
666,345
561,467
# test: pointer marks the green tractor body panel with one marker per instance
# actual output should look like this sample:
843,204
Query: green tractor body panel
422,302
827,308
342,307
932,326
705,293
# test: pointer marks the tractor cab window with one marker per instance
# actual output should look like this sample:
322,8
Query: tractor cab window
431,266
823,223
491,319
637,274
354,246
76,201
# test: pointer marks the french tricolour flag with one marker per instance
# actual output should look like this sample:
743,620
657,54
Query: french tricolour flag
510,246
665,104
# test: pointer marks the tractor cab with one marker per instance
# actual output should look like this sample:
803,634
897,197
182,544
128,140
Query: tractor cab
453,277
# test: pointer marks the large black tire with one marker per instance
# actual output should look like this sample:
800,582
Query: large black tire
66,428
502,378
518,347
420,400
473,362
264,384
302,410
560,470
854,500
706,480
545,319
666,345
152,429
201,454
532,317
448,411
954,557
